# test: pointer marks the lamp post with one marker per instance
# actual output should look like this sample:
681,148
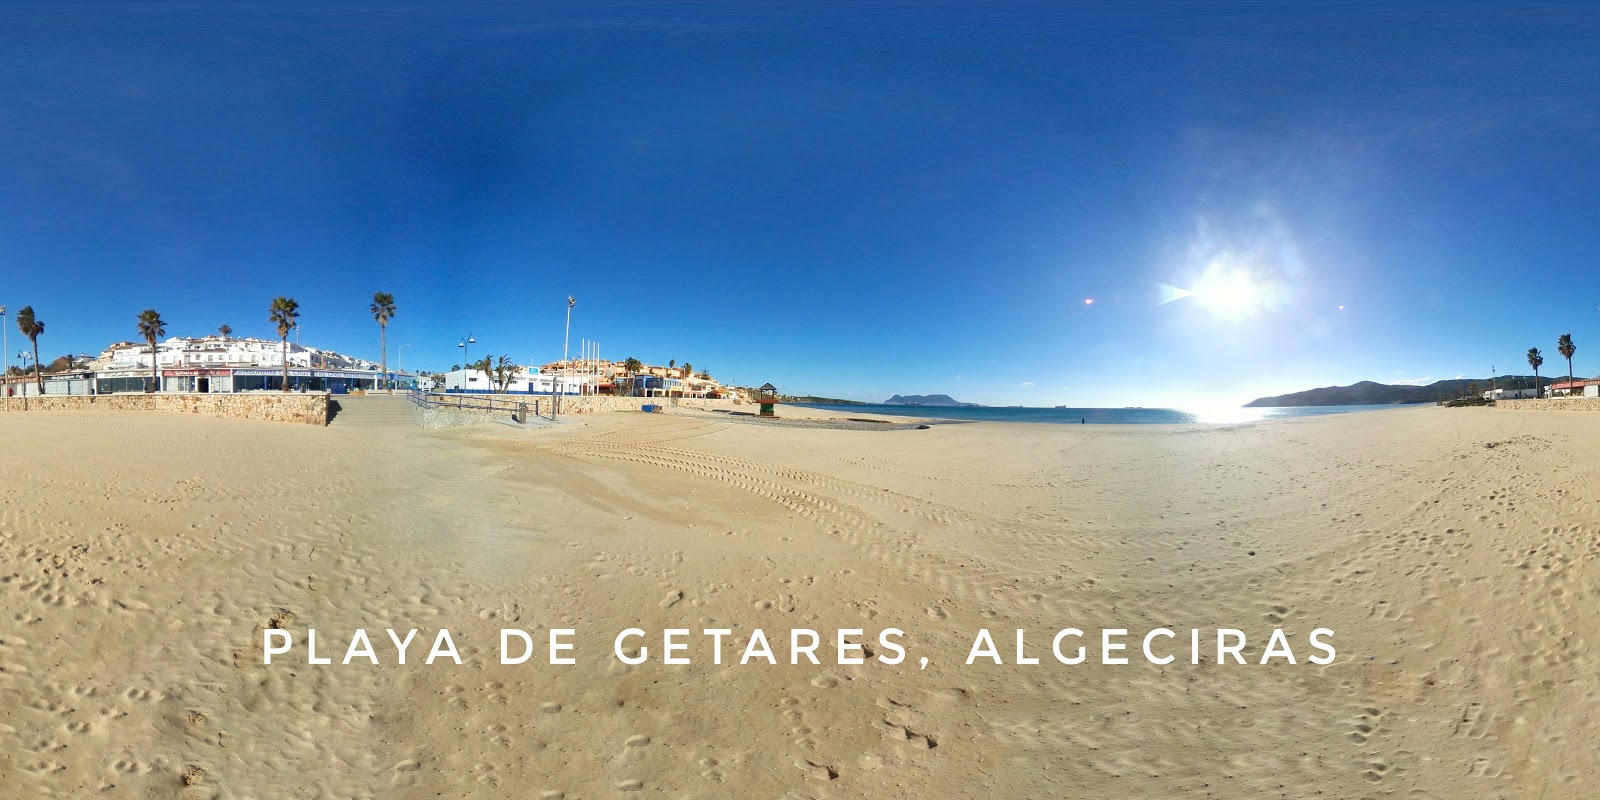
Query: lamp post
465,345
402,361
5,369
566,338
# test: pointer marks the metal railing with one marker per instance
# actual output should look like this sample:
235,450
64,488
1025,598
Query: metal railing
520,410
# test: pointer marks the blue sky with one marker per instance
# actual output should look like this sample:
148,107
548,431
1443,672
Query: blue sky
856,201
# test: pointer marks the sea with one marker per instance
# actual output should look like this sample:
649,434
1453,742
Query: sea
1101,416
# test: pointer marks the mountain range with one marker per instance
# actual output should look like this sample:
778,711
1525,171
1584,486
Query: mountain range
1371,393
924,400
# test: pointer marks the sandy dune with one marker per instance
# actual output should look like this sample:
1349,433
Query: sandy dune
1454,552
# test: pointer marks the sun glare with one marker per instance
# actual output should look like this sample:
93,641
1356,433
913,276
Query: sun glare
1228,292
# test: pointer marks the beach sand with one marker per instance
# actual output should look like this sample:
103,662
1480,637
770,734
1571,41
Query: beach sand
1453,551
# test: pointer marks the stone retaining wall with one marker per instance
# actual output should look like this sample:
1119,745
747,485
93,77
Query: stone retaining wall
306,408
436,417
1552,404
592,404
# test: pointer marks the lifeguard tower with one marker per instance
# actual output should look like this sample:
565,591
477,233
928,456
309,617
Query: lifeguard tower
768,400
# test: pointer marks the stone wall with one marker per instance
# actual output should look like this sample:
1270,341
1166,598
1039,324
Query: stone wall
306,408
1552,404
593,404
436,417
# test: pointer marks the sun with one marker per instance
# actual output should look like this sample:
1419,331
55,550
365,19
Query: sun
1228,292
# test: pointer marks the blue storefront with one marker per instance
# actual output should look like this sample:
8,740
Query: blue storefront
336,381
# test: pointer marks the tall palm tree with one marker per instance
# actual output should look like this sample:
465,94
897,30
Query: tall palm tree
383,311
31,327
633,365
283,313
226,331
1535,360
1565,346
505,369
151,328
688,369
486,366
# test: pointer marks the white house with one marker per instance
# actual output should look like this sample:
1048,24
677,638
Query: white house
475,381
1510,394
215,364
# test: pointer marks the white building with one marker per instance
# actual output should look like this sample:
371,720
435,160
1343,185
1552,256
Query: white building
475,381
180,352
215,364
1511,394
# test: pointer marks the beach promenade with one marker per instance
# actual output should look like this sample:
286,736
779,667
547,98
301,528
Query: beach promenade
1453,551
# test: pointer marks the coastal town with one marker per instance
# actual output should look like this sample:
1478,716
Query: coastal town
221,363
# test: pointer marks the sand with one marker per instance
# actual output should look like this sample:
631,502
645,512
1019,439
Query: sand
1453,551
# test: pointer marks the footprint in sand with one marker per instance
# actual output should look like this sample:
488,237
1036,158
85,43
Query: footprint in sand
821,772
1474,722
635,748
1365,725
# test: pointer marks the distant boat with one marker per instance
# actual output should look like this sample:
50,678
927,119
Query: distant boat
1060,406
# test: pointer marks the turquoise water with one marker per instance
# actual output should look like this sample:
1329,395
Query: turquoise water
1101,416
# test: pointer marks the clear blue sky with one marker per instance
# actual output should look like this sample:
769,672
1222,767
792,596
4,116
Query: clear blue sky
855,202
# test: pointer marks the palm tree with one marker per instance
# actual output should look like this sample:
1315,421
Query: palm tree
31,327
633,365
383,311
1535,360
672,363
151,328
225,330
688,369
1564,346
505,369
486,366
283,313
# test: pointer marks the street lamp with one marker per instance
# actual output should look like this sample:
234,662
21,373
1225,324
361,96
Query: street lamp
566,338
402,360
464,344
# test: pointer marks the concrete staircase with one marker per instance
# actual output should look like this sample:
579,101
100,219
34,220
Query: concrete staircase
372,411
